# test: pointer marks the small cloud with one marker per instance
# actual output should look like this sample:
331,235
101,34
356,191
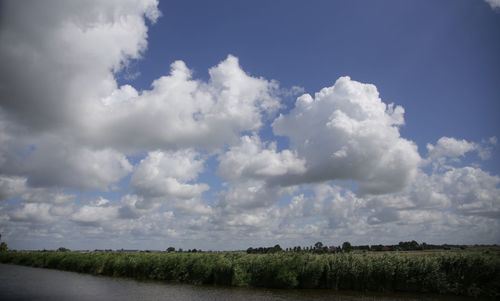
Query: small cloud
449,149
486,147
495,4
293,91
130,76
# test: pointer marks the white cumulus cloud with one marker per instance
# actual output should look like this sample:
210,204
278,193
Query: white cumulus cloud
67,53
33,213
168,174
450,147
96,213
347,132
180,111
53,161
252,158
495,4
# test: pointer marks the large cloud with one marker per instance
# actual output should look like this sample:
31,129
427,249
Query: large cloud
347,132
66,53
183,112
53,77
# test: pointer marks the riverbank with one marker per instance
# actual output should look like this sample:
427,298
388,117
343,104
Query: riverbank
458,273
28,283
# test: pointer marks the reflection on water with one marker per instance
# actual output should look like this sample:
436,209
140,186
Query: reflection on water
25,283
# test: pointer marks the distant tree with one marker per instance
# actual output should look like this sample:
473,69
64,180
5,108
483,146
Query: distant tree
62,249
409,245
346,246
318,245
264,250
170,249
3,247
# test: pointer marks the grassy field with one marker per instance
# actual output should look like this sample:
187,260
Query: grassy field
460,273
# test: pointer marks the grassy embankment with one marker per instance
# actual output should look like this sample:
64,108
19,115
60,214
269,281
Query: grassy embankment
461,273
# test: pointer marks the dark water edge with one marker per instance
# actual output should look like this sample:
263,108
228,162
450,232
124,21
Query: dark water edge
27,283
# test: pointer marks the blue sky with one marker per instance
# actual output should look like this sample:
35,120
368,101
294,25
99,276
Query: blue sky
118,143
439,60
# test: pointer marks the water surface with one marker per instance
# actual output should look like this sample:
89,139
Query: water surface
26,283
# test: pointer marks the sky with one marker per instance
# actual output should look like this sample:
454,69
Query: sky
224,125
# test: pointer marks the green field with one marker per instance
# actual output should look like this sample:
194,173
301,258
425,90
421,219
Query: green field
460,273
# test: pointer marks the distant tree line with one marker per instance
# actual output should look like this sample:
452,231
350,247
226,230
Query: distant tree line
320,248
172,249
317,248
264,250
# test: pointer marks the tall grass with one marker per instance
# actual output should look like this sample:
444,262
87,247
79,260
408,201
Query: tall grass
473,274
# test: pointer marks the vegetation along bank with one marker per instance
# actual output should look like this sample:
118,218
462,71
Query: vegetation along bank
460,273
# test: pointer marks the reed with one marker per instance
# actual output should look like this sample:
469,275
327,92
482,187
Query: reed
459,273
